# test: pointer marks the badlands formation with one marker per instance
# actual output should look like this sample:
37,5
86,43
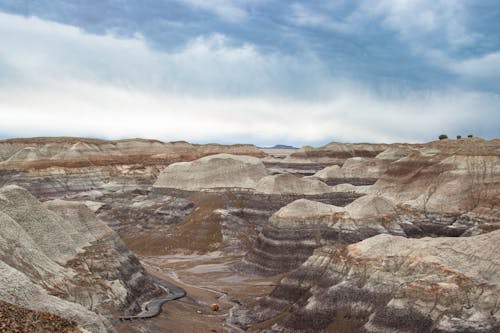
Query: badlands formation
340,238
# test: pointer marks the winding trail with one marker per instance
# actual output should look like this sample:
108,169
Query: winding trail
222,296
153,308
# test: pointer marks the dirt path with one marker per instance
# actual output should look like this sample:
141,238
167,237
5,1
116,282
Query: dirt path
153,307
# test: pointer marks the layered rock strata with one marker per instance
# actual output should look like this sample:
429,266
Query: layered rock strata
289,184
431,181
166,219
55,167
212,172
336,153
356,171
388,283
82,152
293,232
58,257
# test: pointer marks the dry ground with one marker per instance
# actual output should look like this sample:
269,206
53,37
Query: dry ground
207,279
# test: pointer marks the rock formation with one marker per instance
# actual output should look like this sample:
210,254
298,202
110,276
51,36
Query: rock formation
349,240
211,172
297,229
435,181
381,281
355,170
388,283
55,167
58,257
290,184
336,152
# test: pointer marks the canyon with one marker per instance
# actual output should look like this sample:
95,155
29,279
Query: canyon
341,238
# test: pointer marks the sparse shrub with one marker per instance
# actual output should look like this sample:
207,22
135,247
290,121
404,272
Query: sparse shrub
459,137
470,136
443,137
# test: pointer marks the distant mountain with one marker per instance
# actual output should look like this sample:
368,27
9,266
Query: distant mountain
280,147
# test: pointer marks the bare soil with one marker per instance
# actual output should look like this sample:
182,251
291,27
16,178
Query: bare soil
207,279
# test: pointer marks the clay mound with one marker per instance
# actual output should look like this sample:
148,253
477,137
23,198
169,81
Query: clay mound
360,167
294,231
371,206
60,248
333,171
356,167
303,211
290,184
291,236
215,171
389,283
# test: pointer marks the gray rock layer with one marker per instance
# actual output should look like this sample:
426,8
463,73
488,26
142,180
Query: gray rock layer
388,284
215,171
59,257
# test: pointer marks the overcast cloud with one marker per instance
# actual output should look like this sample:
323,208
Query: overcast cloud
250,71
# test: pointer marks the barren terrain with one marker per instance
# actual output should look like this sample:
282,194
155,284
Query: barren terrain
340,238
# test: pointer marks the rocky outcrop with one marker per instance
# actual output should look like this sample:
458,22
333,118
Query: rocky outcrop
294,231
56,167
58,257
134,212
290,184
84,152
336,152
212,172
435,182
297,229
388,283
19,289
356,171
163,220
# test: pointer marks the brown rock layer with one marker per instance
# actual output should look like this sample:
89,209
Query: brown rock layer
54,167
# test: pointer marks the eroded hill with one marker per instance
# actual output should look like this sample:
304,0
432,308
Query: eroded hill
341,238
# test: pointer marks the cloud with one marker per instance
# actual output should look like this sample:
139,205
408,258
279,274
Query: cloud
101,110
416,21
485,66
304,16
413,21
229,10
59,80
45,51
437,42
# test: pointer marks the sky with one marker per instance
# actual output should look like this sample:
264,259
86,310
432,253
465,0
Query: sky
250,71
